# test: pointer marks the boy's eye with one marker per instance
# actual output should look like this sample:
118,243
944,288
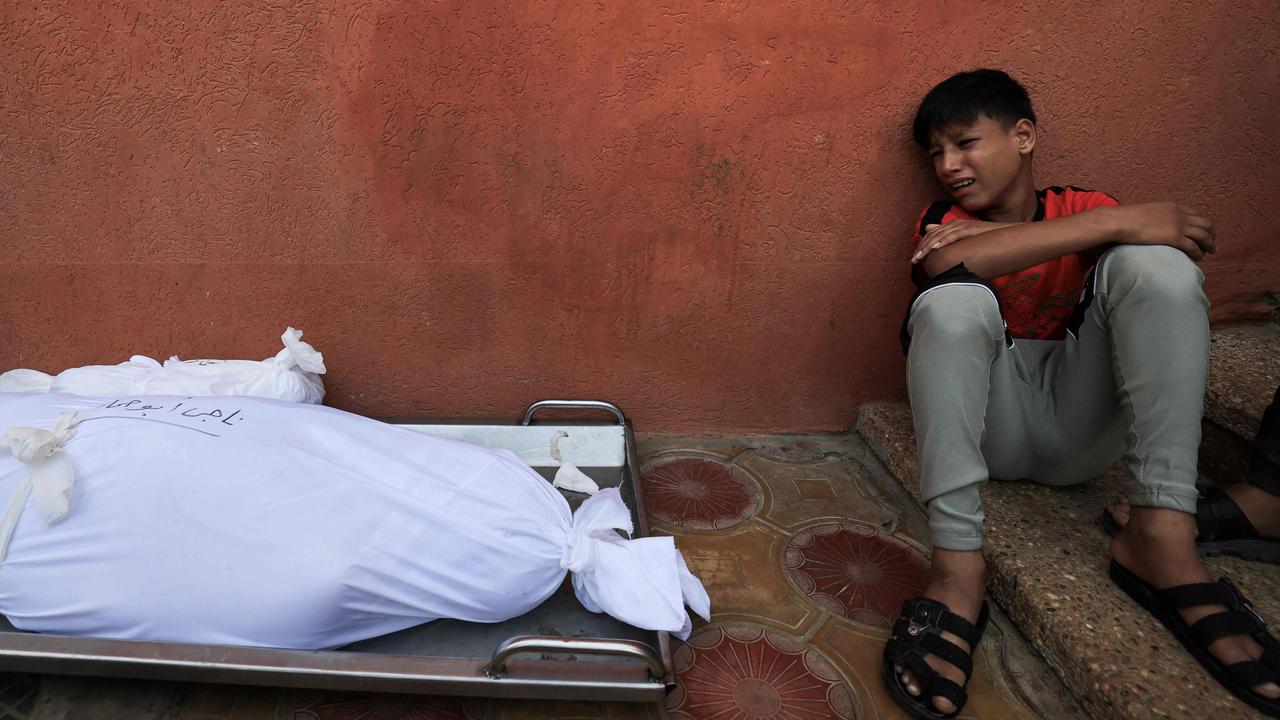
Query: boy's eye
966,142
935,154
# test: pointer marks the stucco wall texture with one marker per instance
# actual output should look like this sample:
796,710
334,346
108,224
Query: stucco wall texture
698,210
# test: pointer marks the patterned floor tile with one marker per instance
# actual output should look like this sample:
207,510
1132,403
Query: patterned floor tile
855,571
694,492
739,672
742,572
828,487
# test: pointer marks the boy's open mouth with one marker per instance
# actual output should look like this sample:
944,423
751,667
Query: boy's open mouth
959,184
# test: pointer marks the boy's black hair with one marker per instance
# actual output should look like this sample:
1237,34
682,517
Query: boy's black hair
961,98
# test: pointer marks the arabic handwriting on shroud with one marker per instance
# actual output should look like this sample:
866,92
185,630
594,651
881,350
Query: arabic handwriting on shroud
204,414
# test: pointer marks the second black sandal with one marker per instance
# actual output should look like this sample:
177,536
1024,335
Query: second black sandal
1223,529
1239,619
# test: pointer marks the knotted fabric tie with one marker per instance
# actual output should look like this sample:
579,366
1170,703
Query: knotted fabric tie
642,582
50,475
596,521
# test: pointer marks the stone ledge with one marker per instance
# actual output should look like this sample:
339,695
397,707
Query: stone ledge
1244,371
1048,569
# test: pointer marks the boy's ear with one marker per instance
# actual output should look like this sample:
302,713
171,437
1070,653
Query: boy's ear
1024,133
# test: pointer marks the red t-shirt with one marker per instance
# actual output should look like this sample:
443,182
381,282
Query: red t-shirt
1038,301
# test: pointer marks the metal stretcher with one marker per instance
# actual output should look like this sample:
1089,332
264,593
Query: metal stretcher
558,650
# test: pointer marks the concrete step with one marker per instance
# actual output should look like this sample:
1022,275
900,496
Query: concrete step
1048,558
1244,372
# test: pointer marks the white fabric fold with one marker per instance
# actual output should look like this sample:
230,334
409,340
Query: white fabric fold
297,353
643,582
569,477
50,475
25,380
292,374
126,378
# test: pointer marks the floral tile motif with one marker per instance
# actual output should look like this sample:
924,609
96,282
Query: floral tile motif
696,493
855,571
18,696
374,706
744,672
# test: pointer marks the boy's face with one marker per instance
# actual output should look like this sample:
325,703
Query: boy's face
979,164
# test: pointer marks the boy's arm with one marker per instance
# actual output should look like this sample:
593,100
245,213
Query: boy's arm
1012,248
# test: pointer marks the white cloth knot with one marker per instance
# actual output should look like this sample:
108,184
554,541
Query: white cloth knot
297,353
34,444
594,522
50,476
579,551
643,582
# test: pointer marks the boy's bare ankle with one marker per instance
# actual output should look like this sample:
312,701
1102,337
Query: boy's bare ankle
959,579
1158,527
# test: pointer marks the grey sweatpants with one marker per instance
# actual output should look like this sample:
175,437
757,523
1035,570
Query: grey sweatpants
1128,380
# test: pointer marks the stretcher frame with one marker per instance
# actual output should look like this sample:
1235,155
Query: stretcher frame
559,650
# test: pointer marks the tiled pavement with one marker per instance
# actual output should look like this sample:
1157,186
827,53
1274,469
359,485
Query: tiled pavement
807,547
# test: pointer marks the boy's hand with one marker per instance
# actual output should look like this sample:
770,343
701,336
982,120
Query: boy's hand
937,236
1165,223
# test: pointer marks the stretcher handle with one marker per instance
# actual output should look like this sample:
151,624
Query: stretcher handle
497,667
574,405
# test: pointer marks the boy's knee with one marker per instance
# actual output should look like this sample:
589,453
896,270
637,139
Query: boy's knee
957,312
1153,269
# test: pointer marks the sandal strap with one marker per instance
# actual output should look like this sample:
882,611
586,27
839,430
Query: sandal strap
961,628
933,644
1253,672
1270,653
927,612
1263,670
911,658
949,689
1218,517
1213,627
931,684
1185,596
948,651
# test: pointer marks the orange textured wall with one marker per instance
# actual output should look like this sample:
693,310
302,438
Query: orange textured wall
698,210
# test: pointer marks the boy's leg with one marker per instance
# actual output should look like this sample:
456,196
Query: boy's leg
967,402
1130,378
1257,497
1147,324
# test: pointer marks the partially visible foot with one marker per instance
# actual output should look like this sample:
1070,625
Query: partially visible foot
1261,507
957,579
1158,546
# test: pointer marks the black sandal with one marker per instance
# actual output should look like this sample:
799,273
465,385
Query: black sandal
917,633
1239,619
1223,529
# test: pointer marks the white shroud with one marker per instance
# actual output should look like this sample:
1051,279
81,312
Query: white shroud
246,521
